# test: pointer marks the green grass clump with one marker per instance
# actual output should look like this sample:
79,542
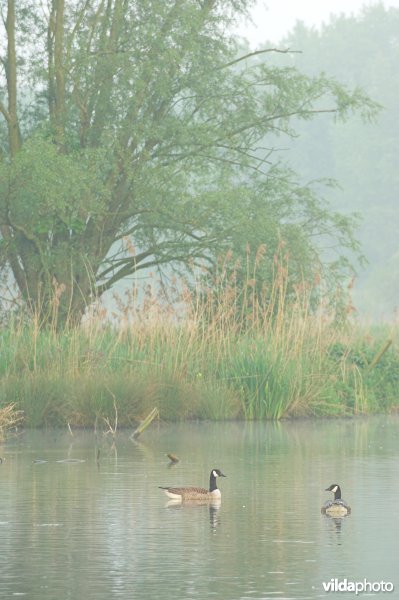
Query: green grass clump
269,383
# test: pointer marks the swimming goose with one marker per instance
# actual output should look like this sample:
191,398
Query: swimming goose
336,507
196,493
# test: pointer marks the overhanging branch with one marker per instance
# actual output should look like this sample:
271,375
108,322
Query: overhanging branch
256,53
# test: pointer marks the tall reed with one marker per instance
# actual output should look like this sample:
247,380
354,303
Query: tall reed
230,350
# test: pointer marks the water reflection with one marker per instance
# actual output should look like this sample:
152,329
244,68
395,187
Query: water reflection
335,526
214,515
213,508
100,528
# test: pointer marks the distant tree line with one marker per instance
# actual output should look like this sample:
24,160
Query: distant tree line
361,51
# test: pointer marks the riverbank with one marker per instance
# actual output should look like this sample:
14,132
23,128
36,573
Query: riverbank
113,376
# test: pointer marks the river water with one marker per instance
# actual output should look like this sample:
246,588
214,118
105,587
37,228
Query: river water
96,526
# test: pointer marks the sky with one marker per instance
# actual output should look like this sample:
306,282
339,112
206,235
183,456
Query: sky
272,19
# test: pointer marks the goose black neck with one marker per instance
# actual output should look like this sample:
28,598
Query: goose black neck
337,494
212,483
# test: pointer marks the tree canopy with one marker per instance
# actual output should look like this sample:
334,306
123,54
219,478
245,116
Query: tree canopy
134,134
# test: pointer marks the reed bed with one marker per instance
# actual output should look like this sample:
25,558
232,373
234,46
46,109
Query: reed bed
222,352
10,419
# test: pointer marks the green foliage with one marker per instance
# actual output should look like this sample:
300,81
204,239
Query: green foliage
269,382
379,383
43,191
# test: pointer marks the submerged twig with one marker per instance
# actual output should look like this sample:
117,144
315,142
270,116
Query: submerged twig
112,429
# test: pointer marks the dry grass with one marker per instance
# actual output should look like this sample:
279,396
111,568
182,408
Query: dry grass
10,419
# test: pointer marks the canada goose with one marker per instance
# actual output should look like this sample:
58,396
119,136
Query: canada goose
196,493
336,507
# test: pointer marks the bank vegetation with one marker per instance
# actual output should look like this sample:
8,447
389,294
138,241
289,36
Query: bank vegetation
225,351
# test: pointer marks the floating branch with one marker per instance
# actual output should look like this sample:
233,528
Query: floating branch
173,458
144,424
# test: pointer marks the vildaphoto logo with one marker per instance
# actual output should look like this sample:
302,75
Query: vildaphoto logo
357,587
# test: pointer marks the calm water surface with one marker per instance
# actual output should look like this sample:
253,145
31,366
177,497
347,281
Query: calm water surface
103,530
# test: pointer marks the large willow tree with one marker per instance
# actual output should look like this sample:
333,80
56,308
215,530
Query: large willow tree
134,135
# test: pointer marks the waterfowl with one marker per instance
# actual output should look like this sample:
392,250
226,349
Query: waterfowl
336,507
196,493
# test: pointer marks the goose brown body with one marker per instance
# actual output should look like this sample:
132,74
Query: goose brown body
196,493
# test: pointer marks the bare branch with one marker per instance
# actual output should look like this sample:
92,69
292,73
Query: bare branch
256,53
4,112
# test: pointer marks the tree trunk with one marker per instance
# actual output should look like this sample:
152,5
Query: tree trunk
56,75
58,297
14,138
